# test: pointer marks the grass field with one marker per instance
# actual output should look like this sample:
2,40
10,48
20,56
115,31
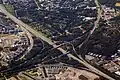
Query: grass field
10,8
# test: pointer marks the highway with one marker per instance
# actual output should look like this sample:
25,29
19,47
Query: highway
40,35
29,37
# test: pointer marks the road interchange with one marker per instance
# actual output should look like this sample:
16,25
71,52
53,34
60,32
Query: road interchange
40,35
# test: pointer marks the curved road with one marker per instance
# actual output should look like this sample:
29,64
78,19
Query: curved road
31,41
40,35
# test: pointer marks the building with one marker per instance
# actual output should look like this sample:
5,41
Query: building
76,74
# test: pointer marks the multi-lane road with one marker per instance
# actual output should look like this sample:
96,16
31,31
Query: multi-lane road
40,35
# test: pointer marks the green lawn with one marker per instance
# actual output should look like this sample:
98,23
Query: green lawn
10,8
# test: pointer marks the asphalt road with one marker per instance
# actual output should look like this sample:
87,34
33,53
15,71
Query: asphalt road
37,4
40,35
31,41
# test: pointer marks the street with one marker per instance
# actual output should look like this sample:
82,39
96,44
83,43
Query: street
40,35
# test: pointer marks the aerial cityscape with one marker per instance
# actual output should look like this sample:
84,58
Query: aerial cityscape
59,39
